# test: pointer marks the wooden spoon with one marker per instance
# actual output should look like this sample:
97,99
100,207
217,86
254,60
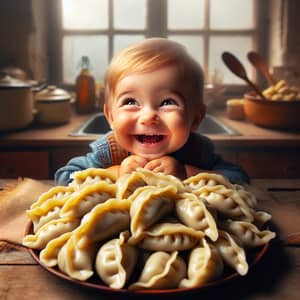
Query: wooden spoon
258,62
236,67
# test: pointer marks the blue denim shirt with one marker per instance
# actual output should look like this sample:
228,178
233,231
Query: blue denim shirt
198,152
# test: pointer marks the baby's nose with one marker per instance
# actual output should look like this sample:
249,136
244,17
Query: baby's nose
149,117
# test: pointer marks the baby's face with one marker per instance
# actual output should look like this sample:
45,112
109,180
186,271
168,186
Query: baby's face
149,113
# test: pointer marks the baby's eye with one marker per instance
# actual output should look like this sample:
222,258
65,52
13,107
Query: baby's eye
168,101
129,101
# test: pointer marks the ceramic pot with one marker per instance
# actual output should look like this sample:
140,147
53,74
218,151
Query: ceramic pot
53,105
276,114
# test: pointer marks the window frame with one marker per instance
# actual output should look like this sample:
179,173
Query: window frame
157,28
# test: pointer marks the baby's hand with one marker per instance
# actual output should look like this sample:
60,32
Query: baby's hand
131,163
167,165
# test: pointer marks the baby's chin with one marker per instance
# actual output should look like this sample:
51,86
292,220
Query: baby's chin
150,156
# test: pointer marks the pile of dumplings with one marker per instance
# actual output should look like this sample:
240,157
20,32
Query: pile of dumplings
146,230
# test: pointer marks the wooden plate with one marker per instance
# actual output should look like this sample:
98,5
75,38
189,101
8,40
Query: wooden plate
253,257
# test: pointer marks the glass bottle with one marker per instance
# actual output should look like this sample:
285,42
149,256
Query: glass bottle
85,88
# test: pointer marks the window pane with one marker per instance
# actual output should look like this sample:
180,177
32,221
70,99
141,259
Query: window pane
237,45
85,14
130,14
187,14
194,45
122,41
232,14
74,47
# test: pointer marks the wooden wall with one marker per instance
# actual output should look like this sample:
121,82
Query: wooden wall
23,38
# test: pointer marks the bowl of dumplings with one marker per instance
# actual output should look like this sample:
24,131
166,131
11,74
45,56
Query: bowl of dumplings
147,232
279,110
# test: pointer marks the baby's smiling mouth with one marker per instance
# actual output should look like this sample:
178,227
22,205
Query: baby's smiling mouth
149,139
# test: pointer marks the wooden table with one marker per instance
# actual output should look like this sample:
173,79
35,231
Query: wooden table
276,276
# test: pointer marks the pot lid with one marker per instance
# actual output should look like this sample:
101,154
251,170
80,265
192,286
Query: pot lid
51,93
15,72
7,81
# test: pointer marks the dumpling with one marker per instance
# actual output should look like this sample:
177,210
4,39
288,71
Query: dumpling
115,261
103,221
76,262
50,231
162,270
82,201
48,206
148,205
205,264
192,211
159,179
261,217
91,176
232,253
206,179
128,183
248,197
56,192
48,256
168,237
248,233
226,201
42,217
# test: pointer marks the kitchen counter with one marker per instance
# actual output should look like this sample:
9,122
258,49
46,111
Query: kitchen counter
250,135
276,276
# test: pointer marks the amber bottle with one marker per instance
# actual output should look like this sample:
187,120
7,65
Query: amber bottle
85,88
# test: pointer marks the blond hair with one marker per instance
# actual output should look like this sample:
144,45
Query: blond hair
150,55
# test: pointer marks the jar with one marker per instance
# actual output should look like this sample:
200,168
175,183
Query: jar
85,89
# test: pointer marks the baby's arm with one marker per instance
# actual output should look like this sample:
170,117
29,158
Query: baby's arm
198,155
98,158
192,170
232,171
79,163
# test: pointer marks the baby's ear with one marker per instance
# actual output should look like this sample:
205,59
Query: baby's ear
199,115
108,115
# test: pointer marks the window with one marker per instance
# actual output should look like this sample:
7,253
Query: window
99,28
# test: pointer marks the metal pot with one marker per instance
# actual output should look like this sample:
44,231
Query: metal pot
53,106
15,72
16,103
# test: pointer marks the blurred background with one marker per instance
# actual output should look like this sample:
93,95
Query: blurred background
47,39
